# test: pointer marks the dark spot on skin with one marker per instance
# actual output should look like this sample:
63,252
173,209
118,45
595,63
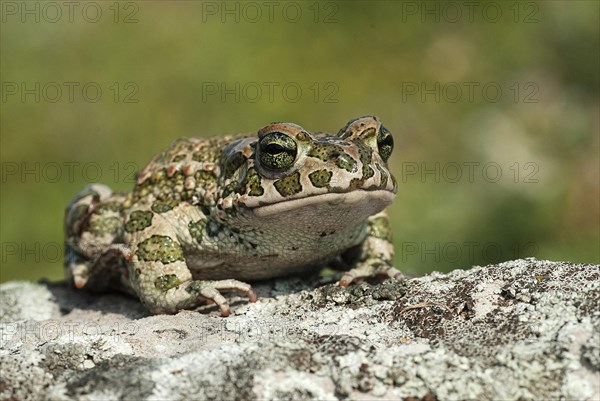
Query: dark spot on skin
322,234
213,228
178,158
320,178
329,151
204,177
289,185
232,163
355,183
384,176
197,229
163,206
100,226
160,248
346,132
228,189
109,206
366,157
166,282
252,181
302,136
139,220
195,287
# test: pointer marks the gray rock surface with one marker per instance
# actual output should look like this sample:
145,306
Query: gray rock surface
520,330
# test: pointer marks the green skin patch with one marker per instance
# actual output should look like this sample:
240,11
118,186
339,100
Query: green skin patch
160,248
197,229
194,288
384,177
204,177
139,220
229,188
100,226
160,183
289,185
330,151
163,206
253,182
380,228
366,157
320,178
109,206
166,282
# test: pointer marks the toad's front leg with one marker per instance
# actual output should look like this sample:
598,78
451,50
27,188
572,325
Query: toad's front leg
158,270
375,254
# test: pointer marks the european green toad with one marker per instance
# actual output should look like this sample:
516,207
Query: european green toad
207,215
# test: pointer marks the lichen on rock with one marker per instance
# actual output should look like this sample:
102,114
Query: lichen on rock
520,330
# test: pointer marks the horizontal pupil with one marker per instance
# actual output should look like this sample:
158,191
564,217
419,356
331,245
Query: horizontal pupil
274,148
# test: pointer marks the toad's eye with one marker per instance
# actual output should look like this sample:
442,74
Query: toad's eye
277,151
385,143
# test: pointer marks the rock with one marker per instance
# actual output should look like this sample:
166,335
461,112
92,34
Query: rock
520,330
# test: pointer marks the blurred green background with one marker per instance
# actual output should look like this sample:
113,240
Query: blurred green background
493,106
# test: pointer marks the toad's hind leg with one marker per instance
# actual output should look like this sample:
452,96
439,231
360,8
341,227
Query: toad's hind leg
93,230
157,267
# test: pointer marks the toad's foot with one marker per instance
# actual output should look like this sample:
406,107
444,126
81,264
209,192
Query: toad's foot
211,291
375,254
369,270
191,294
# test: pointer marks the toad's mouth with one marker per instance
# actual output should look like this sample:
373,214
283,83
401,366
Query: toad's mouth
369,201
